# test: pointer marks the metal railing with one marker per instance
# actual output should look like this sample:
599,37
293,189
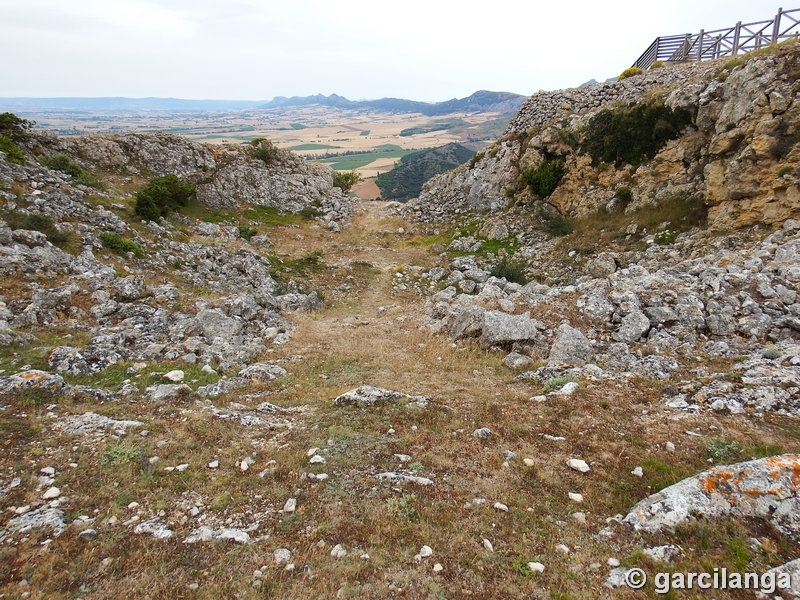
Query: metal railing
732,41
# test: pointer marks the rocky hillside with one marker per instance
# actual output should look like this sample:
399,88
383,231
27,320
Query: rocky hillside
737,152
276,392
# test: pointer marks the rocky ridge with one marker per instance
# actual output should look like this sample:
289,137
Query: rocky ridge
737,155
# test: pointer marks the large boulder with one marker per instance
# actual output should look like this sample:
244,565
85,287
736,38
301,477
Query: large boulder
500,328
570,347
766,488
213,323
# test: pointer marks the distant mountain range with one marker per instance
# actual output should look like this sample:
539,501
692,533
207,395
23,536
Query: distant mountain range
482,101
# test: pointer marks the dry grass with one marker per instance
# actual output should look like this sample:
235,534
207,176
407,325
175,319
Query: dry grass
613,426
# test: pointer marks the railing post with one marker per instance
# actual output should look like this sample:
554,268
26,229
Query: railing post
718,47
736,32
776,29
685,49
700,45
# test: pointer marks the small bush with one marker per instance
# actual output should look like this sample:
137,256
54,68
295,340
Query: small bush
119,245
246,233
784,171
657,64
475,159
403,508
11,150
263,149
63,163
554,225
514,272
120,453
345,179
36,222
544,179
162,195
722,449
632,134
629,72
624,195
13,130
666,237
556,383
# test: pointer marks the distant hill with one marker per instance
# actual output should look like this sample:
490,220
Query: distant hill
120,104
481,101
413,170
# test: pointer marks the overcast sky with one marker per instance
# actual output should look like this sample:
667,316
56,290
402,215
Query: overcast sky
255,49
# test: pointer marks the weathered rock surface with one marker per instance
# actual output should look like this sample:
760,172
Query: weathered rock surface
370,395
765,488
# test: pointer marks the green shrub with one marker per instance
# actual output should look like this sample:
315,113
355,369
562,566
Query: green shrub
63,163
36,222
345,179
474,160
118,244
629,72
784,171
263,149
624,195
11,150
544,179
513,271
722,449
246,233
162,195
657,64
554,224
666,237
632,134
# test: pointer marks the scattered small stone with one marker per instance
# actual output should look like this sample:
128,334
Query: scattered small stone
214,464
48,471
578,465
566,390
483,433
638,472
536,567
403,458
670,447
613,562
282,555
290,506
194,586
175,376
500,506
133,506
87,535
579,517
539,398
51,494
662,553
529,462
424,552
338,551
182,467
438,568
488,545
575,497
317,460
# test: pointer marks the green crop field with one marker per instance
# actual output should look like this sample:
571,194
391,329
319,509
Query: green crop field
365,132
298,126
348,163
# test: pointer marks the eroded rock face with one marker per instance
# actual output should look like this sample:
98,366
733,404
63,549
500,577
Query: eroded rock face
765,488
731,156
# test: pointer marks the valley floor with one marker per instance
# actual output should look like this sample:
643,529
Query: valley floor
487,506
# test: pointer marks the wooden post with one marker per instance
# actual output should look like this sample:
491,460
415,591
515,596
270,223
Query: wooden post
718,47
736,32
700,44
686,42
776,29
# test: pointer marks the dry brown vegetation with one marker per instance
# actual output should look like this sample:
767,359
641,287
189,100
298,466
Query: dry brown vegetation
614,426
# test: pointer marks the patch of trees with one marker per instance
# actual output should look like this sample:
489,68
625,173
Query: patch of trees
405,181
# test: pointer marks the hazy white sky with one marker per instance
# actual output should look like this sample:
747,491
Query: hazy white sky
255,49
